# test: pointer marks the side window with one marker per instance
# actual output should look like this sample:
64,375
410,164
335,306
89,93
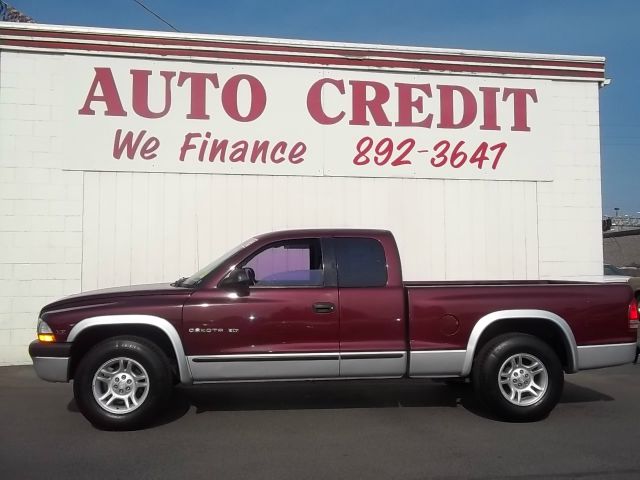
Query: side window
361,262
291,263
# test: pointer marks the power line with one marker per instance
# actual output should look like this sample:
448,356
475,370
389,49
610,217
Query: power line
156,15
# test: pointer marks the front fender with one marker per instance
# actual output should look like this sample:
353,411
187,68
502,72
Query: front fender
149,320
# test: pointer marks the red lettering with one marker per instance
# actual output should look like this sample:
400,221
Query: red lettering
239,151
218,148
407,144
249,151
440,150
131,146
520,106
374,105
198,83
259,149
147,152
140,93
296,153
469,107
362,149
187,145
203,146
314,101
480,155
103,78
406,105
489,102
280,146
383,151
230,98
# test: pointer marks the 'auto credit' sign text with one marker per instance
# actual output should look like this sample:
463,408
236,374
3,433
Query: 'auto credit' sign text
284,120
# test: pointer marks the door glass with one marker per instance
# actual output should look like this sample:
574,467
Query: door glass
292,263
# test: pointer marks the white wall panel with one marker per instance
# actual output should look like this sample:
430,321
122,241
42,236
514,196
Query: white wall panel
91,231
123,238
141,219
107,218
148,227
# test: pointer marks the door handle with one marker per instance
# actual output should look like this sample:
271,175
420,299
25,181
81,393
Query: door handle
323,307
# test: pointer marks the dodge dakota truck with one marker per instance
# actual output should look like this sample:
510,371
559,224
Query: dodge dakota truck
328,304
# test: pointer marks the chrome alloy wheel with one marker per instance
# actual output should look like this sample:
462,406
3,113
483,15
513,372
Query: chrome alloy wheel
120,385
523,379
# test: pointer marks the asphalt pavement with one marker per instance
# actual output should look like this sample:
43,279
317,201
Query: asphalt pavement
335,430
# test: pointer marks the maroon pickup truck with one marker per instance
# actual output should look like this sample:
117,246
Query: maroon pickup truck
328,304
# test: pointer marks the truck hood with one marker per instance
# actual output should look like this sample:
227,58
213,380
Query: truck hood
105,295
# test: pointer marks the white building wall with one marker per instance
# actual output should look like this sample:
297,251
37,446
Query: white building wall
40,204
570,207
63,231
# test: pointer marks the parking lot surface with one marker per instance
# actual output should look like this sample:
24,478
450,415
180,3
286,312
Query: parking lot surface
315,430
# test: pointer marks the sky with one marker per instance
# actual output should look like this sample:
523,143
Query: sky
581,27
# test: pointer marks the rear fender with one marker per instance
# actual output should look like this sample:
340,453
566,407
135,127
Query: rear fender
490,319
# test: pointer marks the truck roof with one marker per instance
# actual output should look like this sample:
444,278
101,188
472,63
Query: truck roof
323,232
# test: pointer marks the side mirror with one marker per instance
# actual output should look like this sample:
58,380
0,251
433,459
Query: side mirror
238,278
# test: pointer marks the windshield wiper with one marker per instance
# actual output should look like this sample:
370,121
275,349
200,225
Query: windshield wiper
178,282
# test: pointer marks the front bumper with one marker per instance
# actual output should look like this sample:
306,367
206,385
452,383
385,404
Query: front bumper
51,360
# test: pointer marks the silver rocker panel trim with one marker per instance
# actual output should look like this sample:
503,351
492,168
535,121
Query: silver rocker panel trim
599,356
207,368
436,363
292,366
373,364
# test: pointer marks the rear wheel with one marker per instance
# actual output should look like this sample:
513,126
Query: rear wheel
122,383
519,377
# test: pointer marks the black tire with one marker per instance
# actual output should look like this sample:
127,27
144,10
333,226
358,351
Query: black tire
486,377
140,353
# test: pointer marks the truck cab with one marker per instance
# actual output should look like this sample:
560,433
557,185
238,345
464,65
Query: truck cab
309,304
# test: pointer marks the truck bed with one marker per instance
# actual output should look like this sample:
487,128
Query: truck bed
444,313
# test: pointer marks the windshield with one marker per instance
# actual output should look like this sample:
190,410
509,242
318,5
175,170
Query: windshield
203,272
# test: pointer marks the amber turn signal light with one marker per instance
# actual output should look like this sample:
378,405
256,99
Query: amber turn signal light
45,334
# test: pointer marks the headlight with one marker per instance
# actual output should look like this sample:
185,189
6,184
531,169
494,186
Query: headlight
45,334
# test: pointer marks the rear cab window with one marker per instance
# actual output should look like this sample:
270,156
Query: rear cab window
361,262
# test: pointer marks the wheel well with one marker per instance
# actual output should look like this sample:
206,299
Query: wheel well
90,337
545,330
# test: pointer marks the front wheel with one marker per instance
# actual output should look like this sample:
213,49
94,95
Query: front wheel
122,383
519,377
